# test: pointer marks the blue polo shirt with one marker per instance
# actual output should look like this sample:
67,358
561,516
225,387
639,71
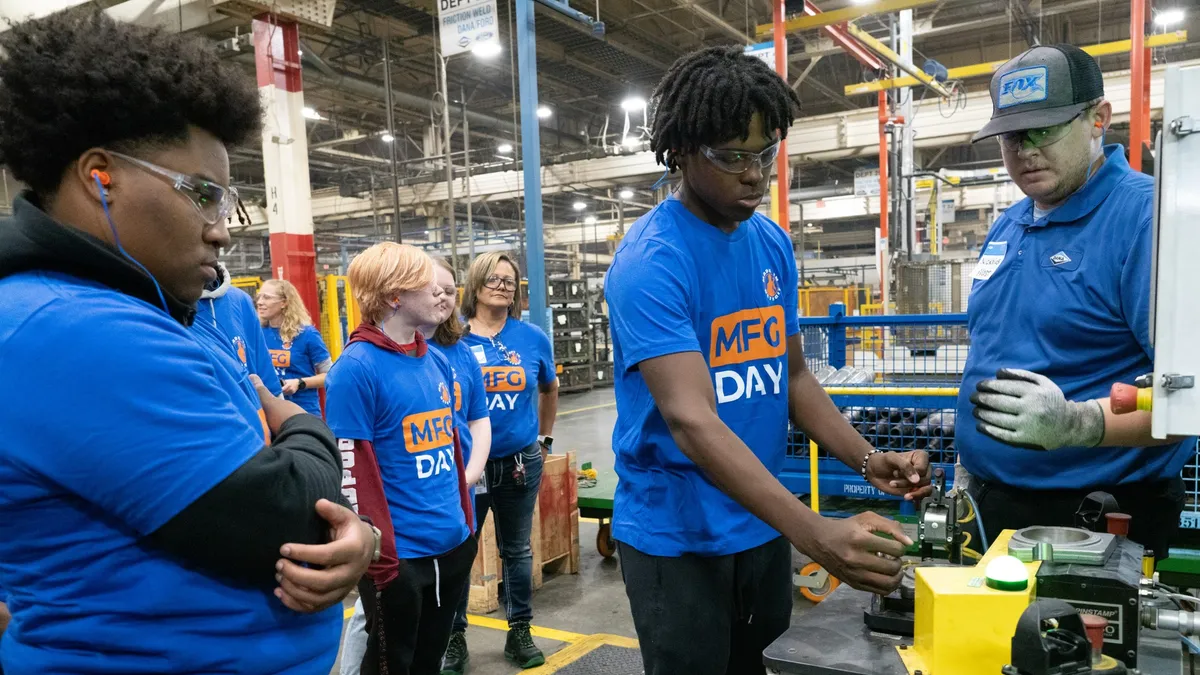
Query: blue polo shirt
403,405
1067,296
678,284
515,363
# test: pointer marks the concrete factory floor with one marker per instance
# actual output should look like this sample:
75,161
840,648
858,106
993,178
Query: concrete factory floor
570,607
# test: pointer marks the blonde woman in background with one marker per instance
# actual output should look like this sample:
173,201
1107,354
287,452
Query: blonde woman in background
297,350
522,398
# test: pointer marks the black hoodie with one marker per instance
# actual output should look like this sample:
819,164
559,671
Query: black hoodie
234,530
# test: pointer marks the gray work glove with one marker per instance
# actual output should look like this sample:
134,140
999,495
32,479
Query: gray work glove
1029,411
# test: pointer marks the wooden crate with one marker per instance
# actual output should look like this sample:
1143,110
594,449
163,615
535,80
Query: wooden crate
485,572
554,539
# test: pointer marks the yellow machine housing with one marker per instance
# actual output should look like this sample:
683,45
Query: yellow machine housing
961,626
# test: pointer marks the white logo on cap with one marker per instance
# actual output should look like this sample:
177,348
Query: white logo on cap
1060,258
1027,85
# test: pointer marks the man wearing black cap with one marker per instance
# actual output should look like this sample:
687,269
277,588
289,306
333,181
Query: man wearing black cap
1059,311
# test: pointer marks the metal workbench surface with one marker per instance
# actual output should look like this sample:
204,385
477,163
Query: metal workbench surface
831,639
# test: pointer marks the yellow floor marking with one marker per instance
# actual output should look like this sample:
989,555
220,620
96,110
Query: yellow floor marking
564,413
537,631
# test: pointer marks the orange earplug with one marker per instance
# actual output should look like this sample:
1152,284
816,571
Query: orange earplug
102,176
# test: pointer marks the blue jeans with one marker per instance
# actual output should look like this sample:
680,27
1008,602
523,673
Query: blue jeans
512,505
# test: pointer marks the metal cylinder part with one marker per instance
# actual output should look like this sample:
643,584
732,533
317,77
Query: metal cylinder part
1187,623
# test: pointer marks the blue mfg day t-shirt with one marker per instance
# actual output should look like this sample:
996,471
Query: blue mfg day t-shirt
86,477
515,363
298,358
678,284
470,400
403,405
234,315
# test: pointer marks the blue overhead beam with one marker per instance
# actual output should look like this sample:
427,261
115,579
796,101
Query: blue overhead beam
531,154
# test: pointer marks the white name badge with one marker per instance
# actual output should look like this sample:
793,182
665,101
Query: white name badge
992,256
480,354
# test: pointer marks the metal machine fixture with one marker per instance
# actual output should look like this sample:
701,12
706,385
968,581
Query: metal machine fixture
1068,545
937,526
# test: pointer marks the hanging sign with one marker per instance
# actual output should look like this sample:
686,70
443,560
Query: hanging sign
866,183
764,51
466,24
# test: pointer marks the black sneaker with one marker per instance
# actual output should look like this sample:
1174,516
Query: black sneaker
456,659
519,647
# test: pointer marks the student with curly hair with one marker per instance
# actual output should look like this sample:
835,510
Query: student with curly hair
708,368
146,525
300,356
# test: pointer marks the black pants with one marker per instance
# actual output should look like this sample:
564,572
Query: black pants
1154,507
708,615
408,623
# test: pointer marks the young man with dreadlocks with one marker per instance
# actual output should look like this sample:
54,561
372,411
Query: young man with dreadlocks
702,295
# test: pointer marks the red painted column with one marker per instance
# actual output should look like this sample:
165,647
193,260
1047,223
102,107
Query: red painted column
285,156
1139,82
781,160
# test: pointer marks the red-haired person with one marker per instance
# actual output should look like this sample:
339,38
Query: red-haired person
390,404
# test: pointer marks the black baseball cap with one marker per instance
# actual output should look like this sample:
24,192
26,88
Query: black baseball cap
1042,87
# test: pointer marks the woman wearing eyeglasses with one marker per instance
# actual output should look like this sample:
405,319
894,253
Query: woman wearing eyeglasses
522,397
297,350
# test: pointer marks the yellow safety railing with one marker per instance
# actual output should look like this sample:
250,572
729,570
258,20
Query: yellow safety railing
337,300
247,284
813,483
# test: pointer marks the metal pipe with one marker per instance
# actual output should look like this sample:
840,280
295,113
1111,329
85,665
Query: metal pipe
887,53
467,187
397,227
883,200
908,210
371,90
451,220
572,13
1185,623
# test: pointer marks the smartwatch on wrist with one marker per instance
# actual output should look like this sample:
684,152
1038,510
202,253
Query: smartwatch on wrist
302,385
546,442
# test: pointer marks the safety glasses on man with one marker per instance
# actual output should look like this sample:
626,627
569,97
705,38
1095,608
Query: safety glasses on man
740,161
213,202
1037,138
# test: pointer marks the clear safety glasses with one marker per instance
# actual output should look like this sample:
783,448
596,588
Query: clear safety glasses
214,202
741,161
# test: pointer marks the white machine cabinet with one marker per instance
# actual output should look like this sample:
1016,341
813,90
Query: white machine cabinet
1175,290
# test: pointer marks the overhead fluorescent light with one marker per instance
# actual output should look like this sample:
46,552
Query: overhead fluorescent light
625,194
633,103
387,138
590,220
486,50
579,206
1169,17
504,148
543,112
311,113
